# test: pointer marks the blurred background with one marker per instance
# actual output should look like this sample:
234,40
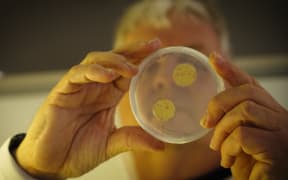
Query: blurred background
40,39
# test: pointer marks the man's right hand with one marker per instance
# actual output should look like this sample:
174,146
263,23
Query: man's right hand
74,131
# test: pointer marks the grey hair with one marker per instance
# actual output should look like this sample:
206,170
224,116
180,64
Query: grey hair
155,13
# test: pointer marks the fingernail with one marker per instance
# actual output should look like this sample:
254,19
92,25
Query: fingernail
203,121
217,58
132,67
213,145
224,164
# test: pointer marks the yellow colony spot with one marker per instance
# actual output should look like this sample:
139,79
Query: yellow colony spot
163,109
184,74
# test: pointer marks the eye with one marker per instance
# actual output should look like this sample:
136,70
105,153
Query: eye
154,68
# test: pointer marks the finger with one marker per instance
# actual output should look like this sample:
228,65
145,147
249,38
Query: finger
242,166
247,113
257,143
111,61
122,84
228,99
137,51
230,72
229,150
83,73
132,138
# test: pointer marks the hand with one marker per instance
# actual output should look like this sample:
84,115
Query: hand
74,130
251,128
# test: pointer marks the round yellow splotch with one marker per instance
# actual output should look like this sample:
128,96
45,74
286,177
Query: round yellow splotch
184,74
163,109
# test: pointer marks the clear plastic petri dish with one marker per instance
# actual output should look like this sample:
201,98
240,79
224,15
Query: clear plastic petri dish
170,93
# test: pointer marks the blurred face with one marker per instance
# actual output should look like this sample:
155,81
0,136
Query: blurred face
184,31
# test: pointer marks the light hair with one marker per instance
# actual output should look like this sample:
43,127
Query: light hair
155,12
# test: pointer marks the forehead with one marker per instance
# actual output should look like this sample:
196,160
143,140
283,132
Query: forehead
184,30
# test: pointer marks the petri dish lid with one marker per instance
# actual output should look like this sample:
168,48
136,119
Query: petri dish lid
170,93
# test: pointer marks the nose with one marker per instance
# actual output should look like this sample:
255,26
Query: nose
160,83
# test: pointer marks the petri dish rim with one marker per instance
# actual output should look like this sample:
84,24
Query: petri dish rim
172,49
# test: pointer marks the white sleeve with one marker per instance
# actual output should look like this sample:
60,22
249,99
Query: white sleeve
9,169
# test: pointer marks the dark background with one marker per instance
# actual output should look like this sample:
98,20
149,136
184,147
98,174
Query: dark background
50,35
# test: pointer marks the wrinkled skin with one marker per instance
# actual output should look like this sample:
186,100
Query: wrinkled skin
73,131
251,128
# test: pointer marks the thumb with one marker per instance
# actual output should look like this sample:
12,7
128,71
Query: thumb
132,138
135,52
232,75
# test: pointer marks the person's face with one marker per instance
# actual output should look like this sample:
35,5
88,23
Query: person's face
184,31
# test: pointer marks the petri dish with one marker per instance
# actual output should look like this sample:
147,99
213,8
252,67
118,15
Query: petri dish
170,93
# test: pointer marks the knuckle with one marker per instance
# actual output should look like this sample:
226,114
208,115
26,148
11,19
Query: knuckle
91,69
92,57
103,57
128,139
250,90
218,103
223,149
92,54
214,102
239,134
247,108
73,69
130,136
226,146
118,57
222,130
